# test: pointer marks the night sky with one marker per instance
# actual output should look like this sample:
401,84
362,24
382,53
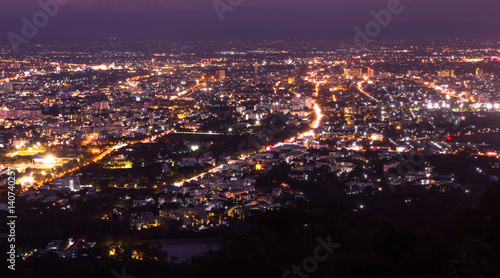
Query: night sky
94,20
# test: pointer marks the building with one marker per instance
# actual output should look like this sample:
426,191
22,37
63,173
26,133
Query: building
479,72
6,113
102,105
308,102
188,216
8,86
240,109
18,142
28,114
347,72
371,72
446,73
357,72
221,74
71,183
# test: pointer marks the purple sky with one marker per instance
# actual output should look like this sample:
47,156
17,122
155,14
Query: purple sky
253,19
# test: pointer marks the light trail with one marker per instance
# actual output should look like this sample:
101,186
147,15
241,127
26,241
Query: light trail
319,116
360,88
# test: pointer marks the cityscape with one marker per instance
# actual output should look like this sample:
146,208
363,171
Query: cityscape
250,158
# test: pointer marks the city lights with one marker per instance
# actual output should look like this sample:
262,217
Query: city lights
183,139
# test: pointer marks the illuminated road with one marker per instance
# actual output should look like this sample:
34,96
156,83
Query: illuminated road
319,116
314,125
360,88
94,160
452,94
102,155
91,137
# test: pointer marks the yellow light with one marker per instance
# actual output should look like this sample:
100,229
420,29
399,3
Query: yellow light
258,167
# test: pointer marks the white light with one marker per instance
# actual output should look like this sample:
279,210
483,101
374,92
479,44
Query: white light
28,180
49,160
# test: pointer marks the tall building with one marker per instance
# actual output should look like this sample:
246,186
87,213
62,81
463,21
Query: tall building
221,74
71,183
256,70
414,72
479,72
308,102
347,72
6,113
357,72
446,73
102,105
371,72
8,86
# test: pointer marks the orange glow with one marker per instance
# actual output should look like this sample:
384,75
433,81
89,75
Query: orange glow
319,116
360,88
